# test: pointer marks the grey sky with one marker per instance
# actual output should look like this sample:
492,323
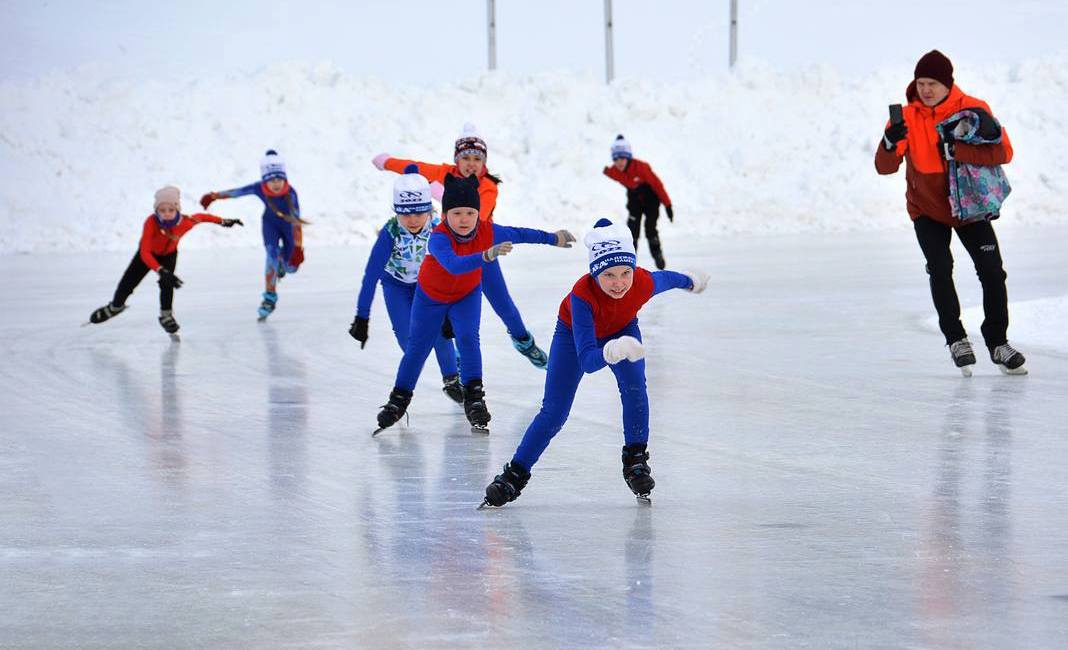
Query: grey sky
445,40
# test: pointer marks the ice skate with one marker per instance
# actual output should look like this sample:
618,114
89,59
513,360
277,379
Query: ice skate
636,471
963,356
169,325
106,312
270,299
1008,359
393,410
453,389
475,406
506,486
529,349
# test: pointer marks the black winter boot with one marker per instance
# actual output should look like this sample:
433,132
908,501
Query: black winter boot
104,313
167,322
395,408
475,404
636,470
507,485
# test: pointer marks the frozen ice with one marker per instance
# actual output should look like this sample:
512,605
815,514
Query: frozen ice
825,476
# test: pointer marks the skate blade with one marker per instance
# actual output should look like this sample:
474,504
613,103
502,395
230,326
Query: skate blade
480,428
644,499
1005,370
374,434
966,371
176,338
485,504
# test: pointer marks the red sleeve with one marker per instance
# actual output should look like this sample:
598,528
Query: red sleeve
201,217
650,177
147,235
430,172
613,173
888,162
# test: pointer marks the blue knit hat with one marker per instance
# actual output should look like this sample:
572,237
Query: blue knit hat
272,166
609,245
411,192
621,148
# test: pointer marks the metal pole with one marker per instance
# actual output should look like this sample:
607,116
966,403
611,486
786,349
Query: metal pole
491,27
734,32
609,65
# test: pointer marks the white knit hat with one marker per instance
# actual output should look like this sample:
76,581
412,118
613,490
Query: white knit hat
621,148
470,142
411,192
609,245
168,194
272,166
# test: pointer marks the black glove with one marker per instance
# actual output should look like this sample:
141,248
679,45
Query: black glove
169,280
446,329
230,223
893,134
358,330
948,146
670,213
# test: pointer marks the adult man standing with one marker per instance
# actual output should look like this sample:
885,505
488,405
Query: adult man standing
933,99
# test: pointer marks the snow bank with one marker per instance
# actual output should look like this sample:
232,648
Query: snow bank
758,150
1032,323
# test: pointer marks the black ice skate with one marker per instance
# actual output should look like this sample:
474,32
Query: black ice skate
636,471
452,388
963,356
506,486
475,406
658,255
1008,359
169,325
393,410
106,312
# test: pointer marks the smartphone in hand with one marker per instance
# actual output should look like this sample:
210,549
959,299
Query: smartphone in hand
895,114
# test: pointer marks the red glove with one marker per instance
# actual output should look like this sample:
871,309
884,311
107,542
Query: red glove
207,199
297,258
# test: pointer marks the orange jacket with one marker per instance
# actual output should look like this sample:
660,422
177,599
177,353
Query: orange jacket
927,184
487,188
157,241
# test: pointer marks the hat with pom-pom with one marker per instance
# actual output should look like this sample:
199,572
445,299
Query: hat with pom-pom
621,148
272,166
609,245
470,143
411,192
460,193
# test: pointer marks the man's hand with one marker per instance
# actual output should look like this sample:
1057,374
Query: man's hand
893,134
670,213
167,279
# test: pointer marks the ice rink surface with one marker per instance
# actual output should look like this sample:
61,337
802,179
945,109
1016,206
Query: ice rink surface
825,477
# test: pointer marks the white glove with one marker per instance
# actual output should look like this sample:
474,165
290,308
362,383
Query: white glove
493,252
379,161
564,238
698,278
437,190
625,347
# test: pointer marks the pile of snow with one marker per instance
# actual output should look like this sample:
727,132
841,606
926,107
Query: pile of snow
1032,323
757,150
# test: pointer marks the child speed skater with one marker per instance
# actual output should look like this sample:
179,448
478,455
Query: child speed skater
158,251
645,193
460,247
283,237
469,159
395,259
597,326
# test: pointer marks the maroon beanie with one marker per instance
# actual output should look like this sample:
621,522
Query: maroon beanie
935,65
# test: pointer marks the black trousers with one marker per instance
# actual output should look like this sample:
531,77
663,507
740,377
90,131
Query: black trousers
982,245
643,201
136,271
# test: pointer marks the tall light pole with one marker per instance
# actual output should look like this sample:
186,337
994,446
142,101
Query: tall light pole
609,64
734,32
491,32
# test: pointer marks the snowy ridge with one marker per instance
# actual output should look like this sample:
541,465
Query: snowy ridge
755,151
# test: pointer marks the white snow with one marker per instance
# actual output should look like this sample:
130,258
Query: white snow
759,150
1038,322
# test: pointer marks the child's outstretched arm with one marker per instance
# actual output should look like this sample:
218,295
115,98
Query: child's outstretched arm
591,358
438,245
517,235
428,171
234,193
694,281
372,272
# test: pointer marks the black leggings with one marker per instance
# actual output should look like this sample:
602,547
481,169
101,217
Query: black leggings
982,245
136,272
642,201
